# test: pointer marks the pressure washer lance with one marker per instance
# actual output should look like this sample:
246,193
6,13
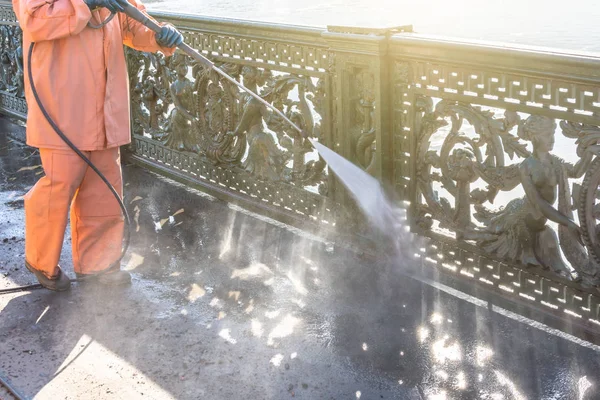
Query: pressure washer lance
139,16
366,190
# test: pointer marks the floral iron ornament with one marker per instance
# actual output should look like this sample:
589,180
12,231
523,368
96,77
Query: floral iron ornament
191,108
520,231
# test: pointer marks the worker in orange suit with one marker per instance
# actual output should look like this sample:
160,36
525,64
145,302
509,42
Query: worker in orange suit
81,78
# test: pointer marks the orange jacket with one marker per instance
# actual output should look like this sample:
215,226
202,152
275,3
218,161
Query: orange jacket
80,73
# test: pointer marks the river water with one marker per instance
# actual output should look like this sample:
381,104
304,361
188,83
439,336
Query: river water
572,25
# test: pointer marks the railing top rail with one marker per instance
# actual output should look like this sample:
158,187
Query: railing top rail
242,27
530,60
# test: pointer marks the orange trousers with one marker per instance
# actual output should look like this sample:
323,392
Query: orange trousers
69,185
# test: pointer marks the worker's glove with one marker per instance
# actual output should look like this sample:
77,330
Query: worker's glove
113,6
169,37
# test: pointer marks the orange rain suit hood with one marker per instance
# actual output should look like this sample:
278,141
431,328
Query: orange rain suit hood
84,89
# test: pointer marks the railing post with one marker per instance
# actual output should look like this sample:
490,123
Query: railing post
362,119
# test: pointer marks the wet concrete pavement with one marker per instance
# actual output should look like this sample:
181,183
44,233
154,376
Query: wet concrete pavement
227,305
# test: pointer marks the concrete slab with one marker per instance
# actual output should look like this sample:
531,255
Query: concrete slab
228,305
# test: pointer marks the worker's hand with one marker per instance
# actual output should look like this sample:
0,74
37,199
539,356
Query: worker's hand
113,6
169,37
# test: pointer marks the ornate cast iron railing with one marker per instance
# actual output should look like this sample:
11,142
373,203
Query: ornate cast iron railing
497,151
192,123
493,149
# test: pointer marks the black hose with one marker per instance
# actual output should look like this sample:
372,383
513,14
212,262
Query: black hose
127,231
65,139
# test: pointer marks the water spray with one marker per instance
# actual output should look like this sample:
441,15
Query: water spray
381,211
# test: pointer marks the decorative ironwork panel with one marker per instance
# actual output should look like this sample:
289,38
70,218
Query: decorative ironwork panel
12,93
279,54
7,15
402,130
285,197
14,105
566,99
471,160
559,298
502,173
192,113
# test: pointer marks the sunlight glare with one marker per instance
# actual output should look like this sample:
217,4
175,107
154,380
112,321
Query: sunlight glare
195,293
283,329
442,352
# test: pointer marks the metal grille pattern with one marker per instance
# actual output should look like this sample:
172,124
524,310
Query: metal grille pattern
13,105
563,299
7,15
526,93
274,53
438,177
403,130
287,198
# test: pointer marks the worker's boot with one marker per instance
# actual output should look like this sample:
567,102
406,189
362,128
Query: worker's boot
112,278
59,284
